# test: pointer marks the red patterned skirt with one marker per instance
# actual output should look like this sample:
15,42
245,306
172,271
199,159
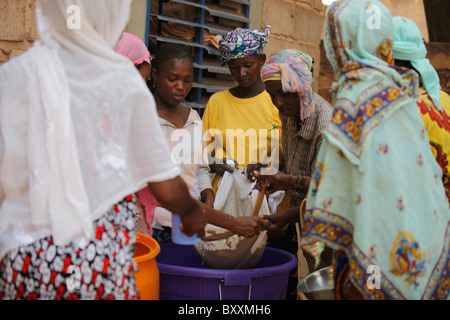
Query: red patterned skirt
104,269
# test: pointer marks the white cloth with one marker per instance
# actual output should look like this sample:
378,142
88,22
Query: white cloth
78,127
187,145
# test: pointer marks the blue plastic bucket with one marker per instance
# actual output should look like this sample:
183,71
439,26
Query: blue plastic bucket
183,276
178,236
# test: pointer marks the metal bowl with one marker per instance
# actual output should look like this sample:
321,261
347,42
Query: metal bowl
318,285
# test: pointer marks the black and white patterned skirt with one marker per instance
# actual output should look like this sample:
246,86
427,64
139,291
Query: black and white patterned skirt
104,269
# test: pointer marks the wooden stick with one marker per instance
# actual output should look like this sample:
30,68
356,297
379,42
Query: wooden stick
259,199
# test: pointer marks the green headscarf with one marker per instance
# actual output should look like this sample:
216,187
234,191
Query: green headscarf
408,45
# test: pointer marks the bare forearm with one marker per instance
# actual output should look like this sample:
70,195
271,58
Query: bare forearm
173,195
218,218
292,215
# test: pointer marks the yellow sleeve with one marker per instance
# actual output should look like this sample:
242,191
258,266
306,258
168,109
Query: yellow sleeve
212,136
445,102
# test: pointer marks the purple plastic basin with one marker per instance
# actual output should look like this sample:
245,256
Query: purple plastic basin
183,276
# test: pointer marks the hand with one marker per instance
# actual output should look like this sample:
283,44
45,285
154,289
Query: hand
276,224
246,226
276,181
248,170
208,197
275,229
173,195
221,168
194,222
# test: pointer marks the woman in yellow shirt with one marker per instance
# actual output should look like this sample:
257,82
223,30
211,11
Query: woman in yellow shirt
241,123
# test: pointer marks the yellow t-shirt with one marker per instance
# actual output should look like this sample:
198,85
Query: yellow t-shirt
245,130
437,124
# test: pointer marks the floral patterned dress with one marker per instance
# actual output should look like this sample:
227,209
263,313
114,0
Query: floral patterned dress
104,269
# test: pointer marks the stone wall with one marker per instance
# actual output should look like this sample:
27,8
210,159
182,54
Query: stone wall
294,24
17,27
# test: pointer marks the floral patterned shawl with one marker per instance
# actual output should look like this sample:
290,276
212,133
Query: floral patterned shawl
376,194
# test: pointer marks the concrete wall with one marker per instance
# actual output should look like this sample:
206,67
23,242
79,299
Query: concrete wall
294,24
411,9
17,27
438,53
138,15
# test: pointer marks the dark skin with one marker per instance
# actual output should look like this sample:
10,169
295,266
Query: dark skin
287,105
173,195
286,102
173,83
246,72
144,69
279,220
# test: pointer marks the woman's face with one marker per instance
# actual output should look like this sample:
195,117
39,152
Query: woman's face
247,70
286,103
174,80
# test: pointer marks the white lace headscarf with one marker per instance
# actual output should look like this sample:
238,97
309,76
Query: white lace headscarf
78,126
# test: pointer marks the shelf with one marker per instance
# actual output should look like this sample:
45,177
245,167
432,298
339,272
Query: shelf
223,12
210,17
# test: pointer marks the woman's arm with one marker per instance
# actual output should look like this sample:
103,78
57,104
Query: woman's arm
173,195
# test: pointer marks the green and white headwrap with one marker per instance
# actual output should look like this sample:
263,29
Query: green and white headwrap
409,45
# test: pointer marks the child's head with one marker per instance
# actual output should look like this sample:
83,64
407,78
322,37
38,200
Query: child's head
172,73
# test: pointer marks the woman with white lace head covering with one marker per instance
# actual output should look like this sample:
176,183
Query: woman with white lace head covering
71,153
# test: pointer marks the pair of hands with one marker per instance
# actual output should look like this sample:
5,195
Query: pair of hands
243,226
275,224
252,171
250,226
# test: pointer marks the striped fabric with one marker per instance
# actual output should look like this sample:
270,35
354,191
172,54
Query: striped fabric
301,143
293,68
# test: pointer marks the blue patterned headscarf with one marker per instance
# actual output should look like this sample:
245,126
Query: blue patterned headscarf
242,42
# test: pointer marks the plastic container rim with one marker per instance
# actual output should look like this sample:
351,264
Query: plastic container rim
154,251
222,273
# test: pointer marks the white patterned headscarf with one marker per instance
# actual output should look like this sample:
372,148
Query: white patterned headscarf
73,114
